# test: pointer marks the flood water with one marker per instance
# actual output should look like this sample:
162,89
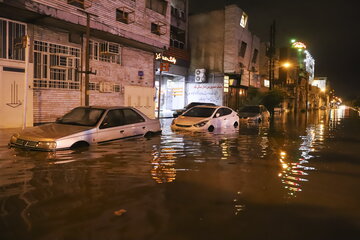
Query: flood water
294,178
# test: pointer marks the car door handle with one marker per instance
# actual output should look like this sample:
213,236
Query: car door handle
144,127
121,131
224,118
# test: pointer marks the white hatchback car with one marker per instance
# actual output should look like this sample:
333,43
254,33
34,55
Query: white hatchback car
206,118
86,126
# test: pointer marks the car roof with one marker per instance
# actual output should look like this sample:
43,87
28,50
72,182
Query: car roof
210,106
202,103
106,107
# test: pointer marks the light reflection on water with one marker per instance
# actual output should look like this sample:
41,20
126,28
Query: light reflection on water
224,172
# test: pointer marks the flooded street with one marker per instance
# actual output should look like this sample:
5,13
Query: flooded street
294,178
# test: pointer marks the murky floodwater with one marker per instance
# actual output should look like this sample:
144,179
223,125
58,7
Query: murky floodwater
290,179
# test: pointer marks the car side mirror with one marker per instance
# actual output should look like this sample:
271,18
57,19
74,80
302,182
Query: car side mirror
217,115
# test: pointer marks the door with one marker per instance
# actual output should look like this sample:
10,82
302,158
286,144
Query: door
136,124
222,116
113,126
12,98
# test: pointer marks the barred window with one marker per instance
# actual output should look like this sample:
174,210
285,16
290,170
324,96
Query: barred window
55,66
11,35
105,52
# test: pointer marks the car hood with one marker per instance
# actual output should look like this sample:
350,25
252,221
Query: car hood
248,114
183,120
51,131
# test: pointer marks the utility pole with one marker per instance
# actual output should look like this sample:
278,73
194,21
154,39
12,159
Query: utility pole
160,80
26,44
272,55
87,57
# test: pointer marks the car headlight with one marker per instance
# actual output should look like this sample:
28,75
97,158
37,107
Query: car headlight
200,124
14,138
46,145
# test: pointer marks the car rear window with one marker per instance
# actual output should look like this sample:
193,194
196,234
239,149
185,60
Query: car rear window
199,112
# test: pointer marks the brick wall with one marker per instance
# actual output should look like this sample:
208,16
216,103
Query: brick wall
50,104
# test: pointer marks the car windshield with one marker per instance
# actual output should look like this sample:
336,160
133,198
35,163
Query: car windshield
251,109
82,116
200,112
193,104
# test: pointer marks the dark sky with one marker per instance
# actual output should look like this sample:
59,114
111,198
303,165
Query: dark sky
330,29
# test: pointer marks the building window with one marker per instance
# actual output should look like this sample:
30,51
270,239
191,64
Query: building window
159,6
55,66
243,21
255,55
125,15
11,35
105,52
177,38
177,13
158,28
242,49
77,3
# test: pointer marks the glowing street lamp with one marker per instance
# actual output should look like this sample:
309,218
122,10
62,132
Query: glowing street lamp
286,65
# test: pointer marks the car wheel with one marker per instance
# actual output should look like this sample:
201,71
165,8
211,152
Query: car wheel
81,144
236,124
149,134
211,128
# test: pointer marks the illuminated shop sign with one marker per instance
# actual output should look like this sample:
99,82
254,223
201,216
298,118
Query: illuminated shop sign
298,45
159,56
226,84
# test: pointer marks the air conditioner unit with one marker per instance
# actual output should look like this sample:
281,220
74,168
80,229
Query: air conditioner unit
200,75
106,87
109,48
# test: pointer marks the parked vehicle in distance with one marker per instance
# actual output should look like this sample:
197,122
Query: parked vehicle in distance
256,113
83,126
206,118
190,105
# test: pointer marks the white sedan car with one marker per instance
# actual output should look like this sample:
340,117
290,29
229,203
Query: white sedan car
255,114
206,118
84,126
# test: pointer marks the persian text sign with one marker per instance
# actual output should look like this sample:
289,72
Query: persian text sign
208,92
159,56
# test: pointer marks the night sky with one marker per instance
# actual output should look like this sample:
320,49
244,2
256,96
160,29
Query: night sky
330,29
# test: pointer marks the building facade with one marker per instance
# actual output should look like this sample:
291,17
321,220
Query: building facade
124,37
175,61
223,48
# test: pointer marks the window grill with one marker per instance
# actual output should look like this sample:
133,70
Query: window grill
55,66
11,35
105,52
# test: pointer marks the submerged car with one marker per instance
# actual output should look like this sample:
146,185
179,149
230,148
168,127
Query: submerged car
84,126
256,113
206,118
190,105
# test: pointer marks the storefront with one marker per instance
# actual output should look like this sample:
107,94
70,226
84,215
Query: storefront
171,73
